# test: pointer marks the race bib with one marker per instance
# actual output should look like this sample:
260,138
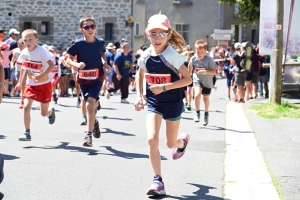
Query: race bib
91,74
155,79
54,71
32,66
198,69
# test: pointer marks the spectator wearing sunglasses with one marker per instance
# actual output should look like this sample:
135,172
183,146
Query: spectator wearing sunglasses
91,72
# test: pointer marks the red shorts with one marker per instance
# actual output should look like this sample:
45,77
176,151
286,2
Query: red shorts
55,80
39,93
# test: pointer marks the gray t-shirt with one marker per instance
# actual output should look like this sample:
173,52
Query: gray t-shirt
16,54
207,63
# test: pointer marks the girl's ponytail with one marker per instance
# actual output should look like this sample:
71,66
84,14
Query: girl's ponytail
176,40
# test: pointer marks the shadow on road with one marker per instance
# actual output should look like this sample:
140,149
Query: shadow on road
65,146
67,106
8,157
200,194
122,119
9,102
127,155
108,130
218,128
2,137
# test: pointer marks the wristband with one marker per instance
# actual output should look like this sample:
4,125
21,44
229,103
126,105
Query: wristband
2,84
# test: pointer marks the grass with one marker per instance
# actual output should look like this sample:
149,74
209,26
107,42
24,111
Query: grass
276,183
273,111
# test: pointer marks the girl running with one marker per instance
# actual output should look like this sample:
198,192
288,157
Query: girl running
161,65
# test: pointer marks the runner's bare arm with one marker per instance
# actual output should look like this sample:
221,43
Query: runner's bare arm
116,68
1,81
190,68
139,82
12,62
69,61
211,72
184,81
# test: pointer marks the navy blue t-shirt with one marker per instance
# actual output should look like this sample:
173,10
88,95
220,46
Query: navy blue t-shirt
13,44
123,62
228,71
109,57
90,54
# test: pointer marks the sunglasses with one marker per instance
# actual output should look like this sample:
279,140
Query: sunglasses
93,26
161,35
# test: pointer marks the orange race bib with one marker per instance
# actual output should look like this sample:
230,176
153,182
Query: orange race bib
198,69
32,66
90,74
154,79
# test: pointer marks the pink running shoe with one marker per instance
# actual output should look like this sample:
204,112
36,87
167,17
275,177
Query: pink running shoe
157,188
178,153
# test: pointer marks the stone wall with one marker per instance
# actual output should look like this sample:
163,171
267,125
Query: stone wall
62,17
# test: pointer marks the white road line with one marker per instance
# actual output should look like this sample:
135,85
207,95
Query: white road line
246,174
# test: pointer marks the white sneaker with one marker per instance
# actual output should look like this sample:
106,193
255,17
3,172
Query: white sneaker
197,117
124,101
107,94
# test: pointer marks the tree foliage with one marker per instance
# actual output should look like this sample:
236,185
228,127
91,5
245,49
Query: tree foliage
248,9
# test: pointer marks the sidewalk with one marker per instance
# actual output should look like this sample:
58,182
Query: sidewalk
279,141
246,173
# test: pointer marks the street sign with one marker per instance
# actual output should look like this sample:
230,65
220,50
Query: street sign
222,36
225,31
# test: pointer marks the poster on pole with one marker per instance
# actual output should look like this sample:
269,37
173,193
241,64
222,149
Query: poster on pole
223,44
268,27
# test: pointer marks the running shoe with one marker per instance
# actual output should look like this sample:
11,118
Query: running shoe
21,104
197,117
83,121
52,116
1,195
96,130
99,105
7,95
124,101
189,107
157,188
107,94
87,142
177,152
25,137
54,98
1,170
185,105
205,120
78,102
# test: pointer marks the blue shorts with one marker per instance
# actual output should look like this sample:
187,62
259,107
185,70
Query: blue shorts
13,75
7,73
228,82
91,90
170,111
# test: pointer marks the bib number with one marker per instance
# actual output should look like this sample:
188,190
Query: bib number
198,69
156,79
89,74
32,66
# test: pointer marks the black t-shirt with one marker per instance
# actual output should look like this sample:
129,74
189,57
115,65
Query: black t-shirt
13,44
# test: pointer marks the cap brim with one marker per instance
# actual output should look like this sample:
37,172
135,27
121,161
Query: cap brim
157,26
17,32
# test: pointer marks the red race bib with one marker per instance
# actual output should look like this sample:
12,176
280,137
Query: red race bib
90,74
155,79
32,66
54,71
198,69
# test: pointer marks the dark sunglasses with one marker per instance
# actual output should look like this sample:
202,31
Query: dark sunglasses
93,26
161,35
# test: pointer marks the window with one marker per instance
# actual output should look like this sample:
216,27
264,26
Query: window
45,28
27,25
137,28
184,31
109,31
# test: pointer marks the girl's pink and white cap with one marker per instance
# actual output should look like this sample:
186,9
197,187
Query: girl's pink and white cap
158,21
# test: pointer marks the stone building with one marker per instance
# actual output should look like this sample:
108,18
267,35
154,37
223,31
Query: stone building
57,21
193,19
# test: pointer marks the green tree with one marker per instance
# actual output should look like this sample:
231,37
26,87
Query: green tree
248,9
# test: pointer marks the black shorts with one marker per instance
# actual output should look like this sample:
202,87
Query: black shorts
7,73
249,76
205,91
91,90
185,87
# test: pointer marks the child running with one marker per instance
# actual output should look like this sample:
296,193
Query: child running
37,62
161,65
91,72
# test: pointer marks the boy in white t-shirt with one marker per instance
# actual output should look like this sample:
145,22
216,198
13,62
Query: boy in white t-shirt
36,61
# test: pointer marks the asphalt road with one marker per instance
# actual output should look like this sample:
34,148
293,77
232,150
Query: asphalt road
54,165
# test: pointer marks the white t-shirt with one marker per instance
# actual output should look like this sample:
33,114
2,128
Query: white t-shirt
35,62
16,54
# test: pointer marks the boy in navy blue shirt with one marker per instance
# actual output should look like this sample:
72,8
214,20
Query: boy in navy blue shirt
228,68
90,51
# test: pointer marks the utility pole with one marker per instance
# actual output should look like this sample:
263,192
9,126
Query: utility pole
276,92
